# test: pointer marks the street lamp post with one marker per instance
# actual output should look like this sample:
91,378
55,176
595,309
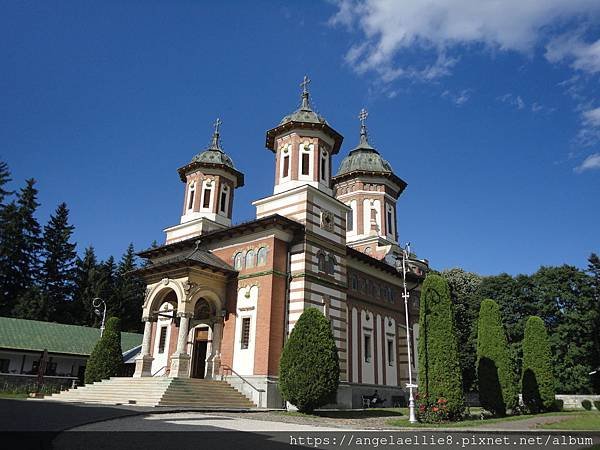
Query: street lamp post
96,303
412,418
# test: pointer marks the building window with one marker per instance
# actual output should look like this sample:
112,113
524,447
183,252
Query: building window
206,199
191,193
330,266
162,339
367,349
286,166
223,206
354,282
4,364
390,225
250,259
262,256
390,352
350,220
324,167
305,163
321,261
237,261
245,332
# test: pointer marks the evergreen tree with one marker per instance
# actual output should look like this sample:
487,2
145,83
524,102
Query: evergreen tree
4,179
537,382
106,360
19,249
309,368
108,283
439,364
130,291
87,287
463,286
496,377
594,271
58,268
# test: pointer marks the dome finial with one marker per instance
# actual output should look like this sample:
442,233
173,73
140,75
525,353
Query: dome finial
305,94
364,139
215,144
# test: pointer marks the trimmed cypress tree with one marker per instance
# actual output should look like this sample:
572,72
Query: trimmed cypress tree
309,368
106,359
537,382
440,374
495,373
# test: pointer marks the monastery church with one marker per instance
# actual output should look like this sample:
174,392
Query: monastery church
221,299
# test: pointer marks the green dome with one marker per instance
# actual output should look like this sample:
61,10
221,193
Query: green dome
213,156
364,158
304,113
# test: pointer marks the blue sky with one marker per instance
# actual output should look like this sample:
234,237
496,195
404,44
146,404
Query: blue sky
489,110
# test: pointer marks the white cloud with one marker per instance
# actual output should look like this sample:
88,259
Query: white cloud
592,162
459,98
589,133
513,100
584,56
437,27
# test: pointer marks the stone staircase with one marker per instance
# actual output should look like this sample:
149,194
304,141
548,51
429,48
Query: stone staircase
158,391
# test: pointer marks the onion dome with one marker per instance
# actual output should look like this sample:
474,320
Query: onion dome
212,157
304,117
364,159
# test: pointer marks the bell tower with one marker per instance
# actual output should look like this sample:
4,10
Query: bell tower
303,144
210,181
368,185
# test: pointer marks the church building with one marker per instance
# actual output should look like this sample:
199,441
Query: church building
222,298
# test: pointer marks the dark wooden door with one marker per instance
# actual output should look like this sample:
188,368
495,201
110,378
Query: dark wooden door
199,356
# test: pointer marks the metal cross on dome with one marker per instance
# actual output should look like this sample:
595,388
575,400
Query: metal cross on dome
217,124
363,116
304,84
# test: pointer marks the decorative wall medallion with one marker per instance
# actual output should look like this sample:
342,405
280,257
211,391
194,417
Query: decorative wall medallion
188,286
165,281
327,220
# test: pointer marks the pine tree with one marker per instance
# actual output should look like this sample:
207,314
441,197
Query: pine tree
58,268
440,377
130,291
19,249
107,275
537,382
309,368
4,179
594,271
496,377
87,287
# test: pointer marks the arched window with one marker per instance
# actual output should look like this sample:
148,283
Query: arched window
330,267
262,256
223,202
250,259
238,261
321,261
354,282
191,194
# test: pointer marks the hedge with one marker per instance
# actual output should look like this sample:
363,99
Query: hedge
440,377
106,359
537,382
495,374
309,368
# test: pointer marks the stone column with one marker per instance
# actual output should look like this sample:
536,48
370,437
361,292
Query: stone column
214,361
180,361
143,363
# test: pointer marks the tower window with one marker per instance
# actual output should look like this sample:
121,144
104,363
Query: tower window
250,259
262,256
305,163
237,261
223,203
350,220
321,262
162,340
323,168
286,166
191,193
245,332
390,221
206,199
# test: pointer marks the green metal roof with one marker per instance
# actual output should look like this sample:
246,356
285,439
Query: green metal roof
33,335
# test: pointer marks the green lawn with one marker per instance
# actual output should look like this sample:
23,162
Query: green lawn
475,421
353,413
588,420
13,395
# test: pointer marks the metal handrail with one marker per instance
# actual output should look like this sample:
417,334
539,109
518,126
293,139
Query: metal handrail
163,367
244,381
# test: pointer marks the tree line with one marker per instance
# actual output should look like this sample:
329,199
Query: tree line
566,298
43,278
